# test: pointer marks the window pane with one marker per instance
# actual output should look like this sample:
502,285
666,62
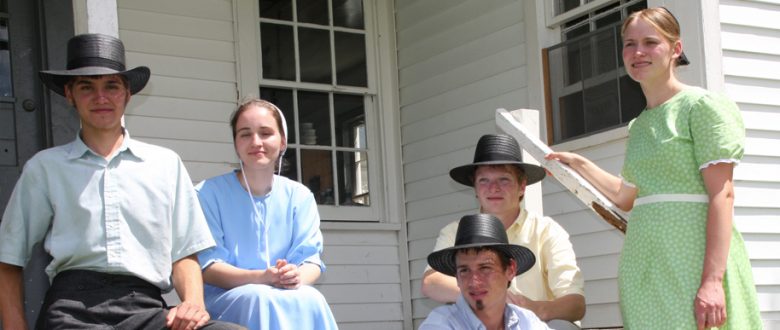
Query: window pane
606,51
278,51
312,11
572,119
283,98
350,59
632,100
317,172
6,87
601,106
637,6
314,45
562,6
314,118
348,13
276,9
290,164
353,179
349,116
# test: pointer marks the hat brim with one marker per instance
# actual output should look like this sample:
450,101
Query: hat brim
465,174
443,261
56,79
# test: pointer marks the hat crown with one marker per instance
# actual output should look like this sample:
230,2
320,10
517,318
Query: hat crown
480,229
497,147
88,50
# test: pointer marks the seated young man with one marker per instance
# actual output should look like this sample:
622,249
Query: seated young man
553,287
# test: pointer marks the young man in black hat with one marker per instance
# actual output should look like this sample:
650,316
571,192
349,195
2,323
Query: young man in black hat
119,217
553,287
483,264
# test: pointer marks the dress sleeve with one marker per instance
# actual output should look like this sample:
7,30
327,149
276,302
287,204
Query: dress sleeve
563,275
717,131
307,239
210,206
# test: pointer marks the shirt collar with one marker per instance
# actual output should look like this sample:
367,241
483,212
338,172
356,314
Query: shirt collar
520,221
79,148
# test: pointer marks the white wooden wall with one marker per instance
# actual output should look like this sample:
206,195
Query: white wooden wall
458,62
750,39
189,45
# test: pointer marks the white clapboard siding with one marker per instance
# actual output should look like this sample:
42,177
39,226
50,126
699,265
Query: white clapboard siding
362,282
751,44
458,62
190,50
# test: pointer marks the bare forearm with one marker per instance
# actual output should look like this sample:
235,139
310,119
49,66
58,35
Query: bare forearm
11,298
227,276
440,287
719,186
608,184
570,308
188,280
310,273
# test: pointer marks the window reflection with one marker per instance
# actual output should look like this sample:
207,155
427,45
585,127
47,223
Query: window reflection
6,89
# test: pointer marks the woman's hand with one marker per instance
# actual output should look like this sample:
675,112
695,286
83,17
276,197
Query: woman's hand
285,275
709,307
567,158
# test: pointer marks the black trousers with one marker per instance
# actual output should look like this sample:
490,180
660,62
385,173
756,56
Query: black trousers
81,299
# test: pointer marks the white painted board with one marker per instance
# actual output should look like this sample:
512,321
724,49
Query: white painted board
507,121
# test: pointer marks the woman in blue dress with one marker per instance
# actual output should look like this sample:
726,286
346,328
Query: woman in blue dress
267,232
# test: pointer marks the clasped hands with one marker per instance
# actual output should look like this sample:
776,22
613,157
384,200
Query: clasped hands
284,275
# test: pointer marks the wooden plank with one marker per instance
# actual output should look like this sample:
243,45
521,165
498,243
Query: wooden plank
366,312
601,267
360,238
602,315
743,90
360,274
191,89
435,166
211,9
154,43
750,66
474,70
175,25
498,46
200,171
370,325
464,116
178,108
482,90
369,255
581,188
602,291
185,67
363,293
757,169
177,129
439,205
755,194
743,13
197,151
444,143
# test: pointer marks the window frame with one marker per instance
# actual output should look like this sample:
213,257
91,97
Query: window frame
384,185
556,23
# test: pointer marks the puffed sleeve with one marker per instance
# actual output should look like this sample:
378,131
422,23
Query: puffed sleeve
717,131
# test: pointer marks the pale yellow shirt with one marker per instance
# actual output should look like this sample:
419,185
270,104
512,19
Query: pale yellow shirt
555,273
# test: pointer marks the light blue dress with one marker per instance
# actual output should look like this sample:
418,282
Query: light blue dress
292,233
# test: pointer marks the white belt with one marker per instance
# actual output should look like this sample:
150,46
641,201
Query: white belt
691,198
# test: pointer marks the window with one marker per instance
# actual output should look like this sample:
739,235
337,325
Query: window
589,90
314,62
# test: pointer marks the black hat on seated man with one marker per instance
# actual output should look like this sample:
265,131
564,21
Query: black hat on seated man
497,149
481,230
95,55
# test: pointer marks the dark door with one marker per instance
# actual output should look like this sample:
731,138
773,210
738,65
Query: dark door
33,35
26,121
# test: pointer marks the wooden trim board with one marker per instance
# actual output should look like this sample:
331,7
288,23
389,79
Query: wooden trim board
508,122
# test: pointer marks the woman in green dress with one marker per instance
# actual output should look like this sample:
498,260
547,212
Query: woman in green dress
683,264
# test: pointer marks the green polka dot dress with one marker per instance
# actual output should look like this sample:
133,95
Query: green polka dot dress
661,263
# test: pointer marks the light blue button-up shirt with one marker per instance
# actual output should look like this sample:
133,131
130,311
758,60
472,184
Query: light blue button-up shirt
134,212
460,316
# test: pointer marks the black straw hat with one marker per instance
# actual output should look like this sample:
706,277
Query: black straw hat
481,230
95,55
497,149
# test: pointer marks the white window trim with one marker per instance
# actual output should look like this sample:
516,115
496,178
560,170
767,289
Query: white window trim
382,117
